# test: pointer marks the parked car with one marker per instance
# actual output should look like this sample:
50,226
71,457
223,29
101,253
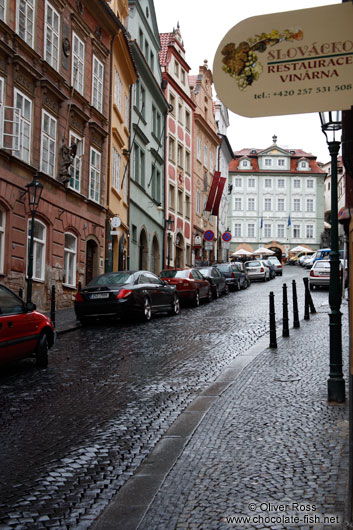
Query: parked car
257,270
218,282
277,265
319,275
24,332
191,286
271,268
236,278
126,293
240,265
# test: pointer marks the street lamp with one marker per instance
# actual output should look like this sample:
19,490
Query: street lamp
34,190
330,123
169,223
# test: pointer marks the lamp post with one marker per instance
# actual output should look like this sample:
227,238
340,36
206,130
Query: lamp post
34,190
330,123
169,223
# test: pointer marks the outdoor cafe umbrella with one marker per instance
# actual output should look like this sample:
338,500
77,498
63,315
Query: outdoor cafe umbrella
241,252
299,248
263,250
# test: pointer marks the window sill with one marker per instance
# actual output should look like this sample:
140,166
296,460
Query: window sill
72,287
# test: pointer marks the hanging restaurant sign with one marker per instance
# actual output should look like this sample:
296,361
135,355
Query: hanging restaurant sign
288,63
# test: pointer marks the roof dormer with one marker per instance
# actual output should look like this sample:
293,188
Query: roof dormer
245,163
303,164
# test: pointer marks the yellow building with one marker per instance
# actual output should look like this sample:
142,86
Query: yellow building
123,76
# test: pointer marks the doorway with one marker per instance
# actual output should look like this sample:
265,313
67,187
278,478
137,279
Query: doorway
91,260
143,251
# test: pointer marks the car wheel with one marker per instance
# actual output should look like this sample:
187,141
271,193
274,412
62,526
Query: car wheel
226,289
147,310
42,351
197,299
175,309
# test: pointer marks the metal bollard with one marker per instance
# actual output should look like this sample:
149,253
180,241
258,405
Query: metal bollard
52,305
311,303
285,330
306,301
296,323
20,293
273,337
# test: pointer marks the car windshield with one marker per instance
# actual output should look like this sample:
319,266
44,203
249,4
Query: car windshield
250,264
223,267
112,278
175,274
205,272
321,264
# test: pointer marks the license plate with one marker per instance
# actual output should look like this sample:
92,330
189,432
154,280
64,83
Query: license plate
95,296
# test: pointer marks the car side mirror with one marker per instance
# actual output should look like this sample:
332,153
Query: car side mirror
30,306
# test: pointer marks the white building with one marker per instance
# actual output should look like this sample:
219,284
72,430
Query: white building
277,199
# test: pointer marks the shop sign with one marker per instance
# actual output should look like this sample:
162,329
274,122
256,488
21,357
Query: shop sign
197,241
208,245
288,63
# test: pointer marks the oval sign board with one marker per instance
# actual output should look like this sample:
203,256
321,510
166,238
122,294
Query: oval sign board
287,63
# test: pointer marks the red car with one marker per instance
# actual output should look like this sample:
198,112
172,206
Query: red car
191,286
24,332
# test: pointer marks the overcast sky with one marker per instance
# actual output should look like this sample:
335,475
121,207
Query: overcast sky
203,24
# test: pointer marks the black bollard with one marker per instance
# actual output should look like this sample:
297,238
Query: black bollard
20,293
296,323
273,337
52,305
306,300
311,303
285,330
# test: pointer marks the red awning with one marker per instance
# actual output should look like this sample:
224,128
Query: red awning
213,191
218,197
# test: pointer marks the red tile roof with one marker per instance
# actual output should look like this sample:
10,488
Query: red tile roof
252,154
165,39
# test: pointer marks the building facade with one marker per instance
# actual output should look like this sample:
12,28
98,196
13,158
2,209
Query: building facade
149,110
205,143
277,199
341,200
178,179
54,89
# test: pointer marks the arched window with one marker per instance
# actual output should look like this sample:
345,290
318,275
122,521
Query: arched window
2,240
70,252
39,247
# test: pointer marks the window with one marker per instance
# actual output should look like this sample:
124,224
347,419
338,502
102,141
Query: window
268,183
251,230
171,150
78,63
205,183
141,38
180,202
24,104
280,231
268,205
296,183
309,231
180,156
198,202
176,68
309,205
303,165
198,148
147,49
2,9
296,231
281,162
156,184
237,230
238,204
48,144
127,111
118,91
76,166
211,162
183,76
139,165
172,102
39,240
244,164
238,182
280,205
70,251
267,230
187,206
268,162
172,197
152,61
116,170
297,205
187,120
156,122
2,239
251,183
25,20
251,204
180,113
51,36
97,84
280,183
205,156
310,183
1,89
187,162
94,175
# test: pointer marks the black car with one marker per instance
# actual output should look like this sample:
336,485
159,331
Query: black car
126,293
235,277
217,280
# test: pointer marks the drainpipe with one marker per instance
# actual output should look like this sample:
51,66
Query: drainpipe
108,237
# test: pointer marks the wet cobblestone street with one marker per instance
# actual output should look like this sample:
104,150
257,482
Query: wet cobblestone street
73,434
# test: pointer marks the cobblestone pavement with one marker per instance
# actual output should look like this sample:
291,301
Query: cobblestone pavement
72,435
270,443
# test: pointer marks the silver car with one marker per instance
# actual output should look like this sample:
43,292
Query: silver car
257,270
319,275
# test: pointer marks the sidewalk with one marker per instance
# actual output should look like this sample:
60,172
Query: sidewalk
65,320
261,442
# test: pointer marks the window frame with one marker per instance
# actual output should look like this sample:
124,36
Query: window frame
55,33
97,84
67,252
45,166
94,188
28,6
42,243
78,57
24,121
2,239
76,165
